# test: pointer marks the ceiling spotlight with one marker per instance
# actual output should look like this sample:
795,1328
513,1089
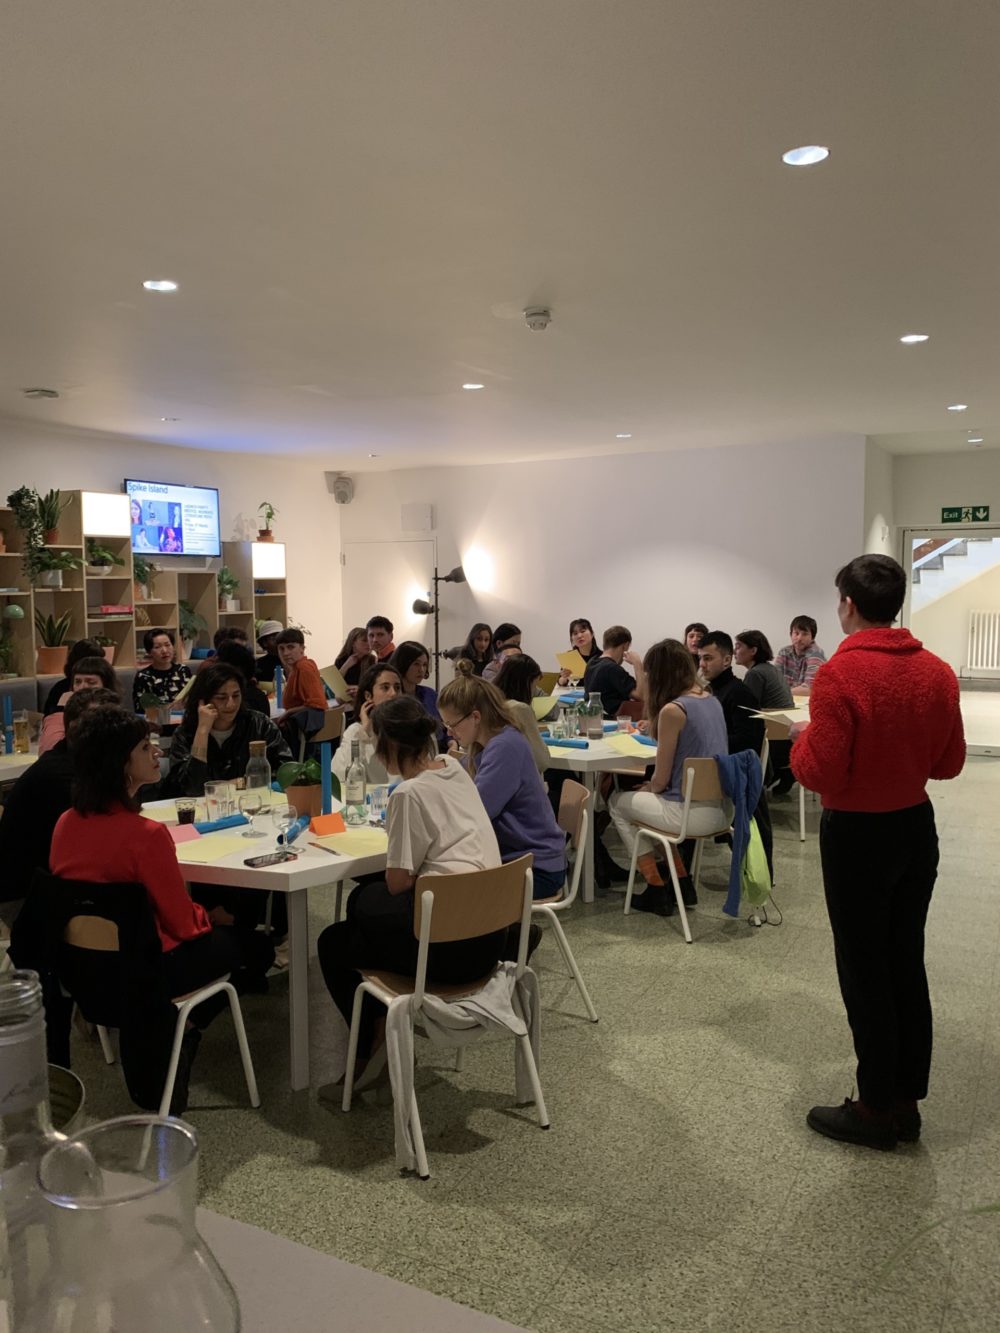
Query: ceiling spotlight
807,156
40,393
170,418
623,436
959,407
914,337
373,455
975,439
473,386
159,285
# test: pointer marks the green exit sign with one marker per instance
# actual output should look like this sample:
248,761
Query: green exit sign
966,514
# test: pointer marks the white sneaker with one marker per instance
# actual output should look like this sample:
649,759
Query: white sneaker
281,955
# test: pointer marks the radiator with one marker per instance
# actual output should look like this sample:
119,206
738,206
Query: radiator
984,640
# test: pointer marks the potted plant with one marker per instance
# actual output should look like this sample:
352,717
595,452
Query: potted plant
143,572
302,784
267,511
51,565
100,560
190,624
108,646
228,583
53,647
50,510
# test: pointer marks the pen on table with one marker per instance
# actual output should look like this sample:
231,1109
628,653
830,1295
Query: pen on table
331,850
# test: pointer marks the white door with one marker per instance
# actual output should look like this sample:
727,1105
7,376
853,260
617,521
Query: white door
384,579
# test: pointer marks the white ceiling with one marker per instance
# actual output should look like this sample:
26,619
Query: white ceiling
358,197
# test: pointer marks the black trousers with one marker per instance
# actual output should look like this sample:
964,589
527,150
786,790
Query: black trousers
246,954
378,933
878,874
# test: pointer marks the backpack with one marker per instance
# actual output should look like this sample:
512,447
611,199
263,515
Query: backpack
755,878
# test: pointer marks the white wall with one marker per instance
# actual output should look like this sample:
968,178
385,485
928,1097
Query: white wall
923,484
740,538
943,627
880,536
308,520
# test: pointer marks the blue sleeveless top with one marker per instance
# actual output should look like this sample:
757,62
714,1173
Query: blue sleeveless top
703,736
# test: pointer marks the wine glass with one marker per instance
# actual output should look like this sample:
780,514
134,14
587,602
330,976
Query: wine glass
251,803
283,818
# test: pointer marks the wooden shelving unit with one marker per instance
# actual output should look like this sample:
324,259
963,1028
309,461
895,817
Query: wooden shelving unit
262,594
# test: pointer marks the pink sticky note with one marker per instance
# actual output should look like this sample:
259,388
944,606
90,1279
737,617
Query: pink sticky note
183,832
325,824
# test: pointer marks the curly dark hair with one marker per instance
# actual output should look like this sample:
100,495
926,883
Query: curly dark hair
103,739
207,683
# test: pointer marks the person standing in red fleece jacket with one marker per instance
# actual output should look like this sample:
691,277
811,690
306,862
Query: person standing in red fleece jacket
884,717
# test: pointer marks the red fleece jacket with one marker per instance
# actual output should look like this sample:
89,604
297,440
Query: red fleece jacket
883,718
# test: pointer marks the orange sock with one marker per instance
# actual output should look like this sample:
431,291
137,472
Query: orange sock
648,870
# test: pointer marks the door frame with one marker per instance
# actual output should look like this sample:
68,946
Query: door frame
932,530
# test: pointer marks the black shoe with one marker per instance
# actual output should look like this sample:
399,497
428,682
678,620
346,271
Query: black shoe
908,1125
534,938
656,899
688,895
783,786
607,871
189,1049
848,1124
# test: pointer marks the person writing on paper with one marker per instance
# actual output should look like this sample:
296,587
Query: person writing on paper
506,643
379,684
104,839
583,639
606,676
686,723
164,677
304,697
803,657
476,648
379,630
498,757
354,658
436,825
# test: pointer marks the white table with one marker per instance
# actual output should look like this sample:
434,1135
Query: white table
799,712
281,1284
13,766
313,869
599,757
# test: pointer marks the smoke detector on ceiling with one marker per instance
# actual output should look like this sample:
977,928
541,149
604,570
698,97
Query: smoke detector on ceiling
537,318
41,393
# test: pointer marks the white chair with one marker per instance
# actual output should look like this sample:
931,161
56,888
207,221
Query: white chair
701,783
573,820
447,908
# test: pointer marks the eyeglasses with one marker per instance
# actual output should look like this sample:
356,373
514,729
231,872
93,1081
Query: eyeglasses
450,726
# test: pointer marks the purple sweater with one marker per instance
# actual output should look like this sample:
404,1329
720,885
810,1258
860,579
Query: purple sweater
517,803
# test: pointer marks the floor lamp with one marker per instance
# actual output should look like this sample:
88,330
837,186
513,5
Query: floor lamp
425,608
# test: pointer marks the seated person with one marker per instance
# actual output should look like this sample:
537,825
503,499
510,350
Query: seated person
104,839
764,681
583,639
379,630
164,676
238,655
379,683
606,676
693,635
498,757
213,740
269,662
354,658
686,722
436,825
89,673
803,657
64,685
506,643
33,805
517,680
477,647
304,695
412,661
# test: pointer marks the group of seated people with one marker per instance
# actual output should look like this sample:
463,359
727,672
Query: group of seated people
469,765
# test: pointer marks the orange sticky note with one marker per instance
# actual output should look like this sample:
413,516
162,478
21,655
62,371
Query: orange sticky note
326,824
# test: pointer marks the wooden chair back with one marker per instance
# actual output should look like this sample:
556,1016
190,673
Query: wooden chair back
469,905
706,779
572,804
333,726
92,932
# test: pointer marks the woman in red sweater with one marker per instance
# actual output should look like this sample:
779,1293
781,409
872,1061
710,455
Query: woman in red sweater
104,839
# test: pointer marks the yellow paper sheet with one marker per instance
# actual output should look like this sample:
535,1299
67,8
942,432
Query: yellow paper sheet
355,842
542,706
9,760
628,745
163,812
548,681
330,675
214,846
572,662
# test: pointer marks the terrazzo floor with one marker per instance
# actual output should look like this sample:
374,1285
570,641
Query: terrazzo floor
679,1187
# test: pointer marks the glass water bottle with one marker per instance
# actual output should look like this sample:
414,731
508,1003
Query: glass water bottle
595,717
355,810
258,772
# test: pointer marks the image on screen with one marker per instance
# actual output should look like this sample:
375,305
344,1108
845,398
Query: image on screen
173,520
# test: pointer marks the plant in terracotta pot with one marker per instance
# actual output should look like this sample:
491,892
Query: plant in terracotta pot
50,566
267,512
52,647
100,560
228,584
50,511
108,646
302,784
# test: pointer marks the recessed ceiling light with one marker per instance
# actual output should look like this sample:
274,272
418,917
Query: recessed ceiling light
623,437
806,156
959,407
473,386
159,285
914,337
975,439
170,418
373,455
41,393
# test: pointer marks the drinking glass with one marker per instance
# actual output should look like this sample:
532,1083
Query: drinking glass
22,740
380,803
185,807
219,799
283,817
624,724
251,803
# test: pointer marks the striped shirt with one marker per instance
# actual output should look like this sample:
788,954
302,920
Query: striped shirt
799,670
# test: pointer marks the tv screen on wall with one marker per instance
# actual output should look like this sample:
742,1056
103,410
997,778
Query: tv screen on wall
173,520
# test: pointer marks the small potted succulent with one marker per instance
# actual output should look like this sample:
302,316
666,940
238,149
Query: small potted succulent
51,565
50,511
52,647
228,584
100,560
267,512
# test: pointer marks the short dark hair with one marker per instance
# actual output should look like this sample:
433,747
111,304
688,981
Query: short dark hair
876,584
616,635
238,655
804,622
502,633
290,635
207,682
151,635
380,622
516,678
97,666
696,624
406,654
78,703
366,685
717,638
103,739
226,632
82,648
405,725
755,638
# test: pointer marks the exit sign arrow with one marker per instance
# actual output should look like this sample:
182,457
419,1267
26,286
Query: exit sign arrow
982,514
965,514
